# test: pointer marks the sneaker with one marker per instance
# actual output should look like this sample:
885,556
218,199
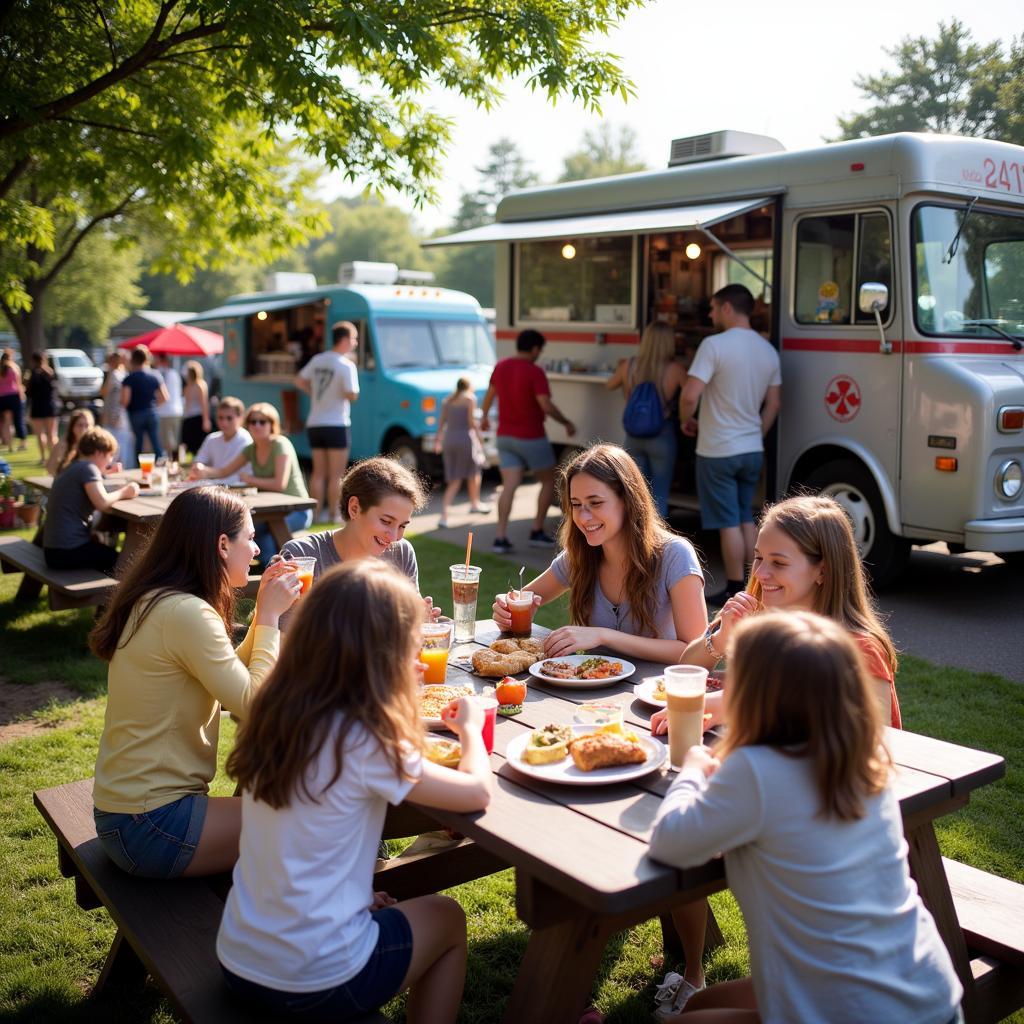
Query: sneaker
442,524
501,545
539,539
481,510
672,995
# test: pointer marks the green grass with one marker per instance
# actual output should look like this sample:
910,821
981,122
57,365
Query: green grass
51,950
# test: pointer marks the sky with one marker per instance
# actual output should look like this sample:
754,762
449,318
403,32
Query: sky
783,69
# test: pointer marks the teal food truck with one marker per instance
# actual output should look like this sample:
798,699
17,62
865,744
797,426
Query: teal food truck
415,341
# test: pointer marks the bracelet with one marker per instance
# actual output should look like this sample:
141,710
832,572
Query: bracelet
709,643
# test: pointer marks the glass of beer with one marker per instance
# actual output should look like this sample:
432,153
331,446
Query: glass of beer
304,571
435,641
685,686
520,606
147,460
465,590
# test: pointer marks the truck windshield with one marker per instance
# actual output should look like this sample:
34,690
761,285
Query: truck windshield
67,362
426,343
984,280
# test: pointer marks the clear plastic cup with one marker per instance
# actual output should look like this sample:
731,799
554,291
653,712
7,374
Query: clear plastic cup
685,686
520,606
465,591
304,570
435,642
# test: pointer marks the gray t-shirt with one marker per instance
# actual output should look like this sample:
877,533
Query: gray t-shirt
68,508
678,559
836,927
321,547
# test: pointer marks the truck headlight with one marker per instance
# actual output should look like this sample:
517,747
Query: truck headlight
1008,480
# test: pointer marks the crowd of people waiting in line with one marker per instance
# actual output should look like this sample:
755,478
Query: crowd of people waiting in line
797,796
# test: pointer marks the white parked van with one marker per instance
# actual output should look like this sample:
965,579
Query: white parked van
78,380
889,273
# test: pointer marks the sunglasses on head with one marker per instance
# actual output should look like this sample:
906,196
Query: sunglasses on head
258,421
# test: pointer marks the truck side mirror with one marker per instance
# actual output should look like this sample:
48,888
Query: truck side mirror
873,298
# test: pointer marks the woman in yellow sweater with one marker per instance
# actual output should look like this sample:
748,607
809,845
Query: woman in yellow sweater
166,635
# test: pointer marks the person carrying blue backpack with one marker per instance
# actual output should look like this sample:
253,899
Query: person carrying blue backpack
651,381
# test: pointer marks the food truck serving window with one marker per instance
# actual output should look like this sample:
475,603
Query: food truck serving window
984,278
835,255
576,280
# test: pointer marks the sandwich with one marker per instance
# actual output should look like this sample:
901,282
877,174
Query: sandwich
609,747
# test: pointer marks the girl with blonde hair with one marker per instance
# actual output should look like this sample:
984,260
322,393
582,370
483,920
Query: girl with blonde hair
654,362
195,424
798,799
633,586
333,738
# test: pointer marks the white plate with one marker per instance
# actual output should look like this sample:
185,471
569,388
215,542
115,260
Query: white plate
582,684
566,773
645,691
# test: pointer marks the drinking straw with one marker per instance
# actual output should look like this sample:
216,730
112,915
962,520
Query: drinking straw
522,569
469,547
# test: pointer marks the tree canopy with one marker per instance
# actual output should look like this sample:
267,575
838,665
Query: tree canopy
198,121
604,151
948,84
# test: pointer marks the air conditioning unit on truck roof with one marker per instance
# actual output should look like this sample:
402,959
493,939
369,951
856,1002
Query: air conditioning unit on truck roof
720,146
367,272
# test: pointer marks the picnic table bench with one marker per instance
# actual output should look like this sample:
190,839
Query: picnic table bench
66,588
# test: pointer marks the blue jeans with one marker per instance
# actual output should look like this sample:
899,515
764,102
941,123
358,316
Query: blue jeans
297,520
656,457
145,422
726,489
154,844
379,981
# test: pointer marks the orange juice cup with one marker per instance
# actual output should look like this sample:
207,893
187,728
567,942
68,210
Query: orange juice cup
146,462
435,641
304,570
520,606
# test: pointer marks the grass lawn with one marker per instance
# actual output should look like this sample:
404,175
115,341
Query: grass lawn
51,951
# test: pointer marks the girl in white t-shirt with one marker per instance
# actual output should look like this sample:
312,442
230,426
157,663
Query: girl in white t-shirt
332,738
797,798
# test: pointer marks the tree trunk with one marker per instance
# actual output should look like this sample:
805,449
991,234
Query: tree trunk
28,326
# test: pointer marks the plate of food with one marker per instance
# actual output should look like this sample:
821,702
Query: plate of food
442,751
582,671
580,755
435,697
652,691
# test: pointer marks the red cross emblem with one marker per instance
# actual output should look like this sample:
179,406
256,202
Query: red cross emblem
842,398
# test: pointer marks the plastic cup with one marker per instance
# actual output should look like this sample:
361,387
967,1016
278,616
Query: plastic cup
520,606
147,460
435,641
685,686
490,709
304,570
465,590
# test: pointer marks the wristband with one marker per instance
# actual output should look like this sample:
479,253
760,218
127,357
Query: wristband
709,642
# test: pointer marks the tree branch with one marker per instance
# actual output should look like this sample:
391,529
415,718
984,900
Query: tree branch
98,219
106,30
18,168
149,136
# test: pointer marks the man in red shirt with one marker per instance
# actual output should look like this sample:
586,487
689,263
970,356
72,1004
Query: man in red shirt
524,399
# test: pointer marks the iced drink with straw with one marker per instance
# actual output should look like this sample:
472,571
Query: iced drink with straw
520,608
465,590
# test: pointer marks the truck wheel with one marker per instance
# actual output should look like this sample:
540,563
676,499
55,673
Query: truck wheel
852,486
405,450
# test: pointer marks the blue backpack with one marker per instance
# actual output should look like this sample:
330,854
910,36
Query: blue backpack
644,415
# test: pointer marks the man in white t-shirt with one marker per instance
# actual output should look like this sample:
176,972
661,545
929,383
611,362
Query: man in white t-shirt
737,378
332,382
170,412
227,443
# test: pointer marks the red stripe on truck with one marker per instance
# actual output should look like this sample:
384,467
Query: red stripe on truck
610,338
871,346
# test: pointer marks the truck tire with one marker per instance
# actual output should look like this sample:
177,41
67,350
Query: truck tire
852,486
404,448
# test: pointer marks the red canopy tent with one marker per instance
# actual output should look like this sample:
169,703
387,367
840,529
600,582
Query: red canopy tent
179,340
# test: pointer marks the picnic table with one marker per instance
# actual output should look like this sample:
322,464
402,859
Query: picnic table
580,853
139,516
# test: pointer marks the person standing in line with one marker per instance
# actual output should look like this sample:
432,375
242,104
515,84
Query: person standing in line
114,417
332,383
461,446
655,362
195,424
12,400
737,378
223,445
524,400
43,404
142,391
170,413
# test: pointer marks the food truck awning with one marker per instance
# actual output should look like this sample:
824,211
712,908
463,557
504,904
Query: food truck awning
627,222
249,308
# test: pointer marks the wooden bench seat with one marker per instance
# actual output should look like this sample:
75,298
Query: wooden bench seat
990,910
66,588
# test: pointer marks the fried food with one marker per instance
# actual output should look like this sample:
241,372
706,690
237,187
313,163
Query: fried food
548,745
605,750
507,657
589,668
443,752
435,697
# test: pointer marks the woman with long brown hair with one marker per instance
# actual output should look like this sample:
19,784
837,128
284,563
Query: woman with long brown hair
62,454
633,586
334,737
798,798
167,637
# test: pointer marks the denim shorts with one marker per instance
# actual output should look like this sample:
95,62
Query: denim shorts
726,489
525,453
155,844
379,981
327,437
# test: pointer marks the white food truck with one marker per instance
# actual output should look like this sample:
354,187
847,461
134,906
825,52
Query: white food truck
889,272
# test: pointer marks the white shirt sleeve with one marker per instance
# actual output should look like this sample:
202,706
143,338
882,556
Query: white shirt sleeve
703,365
378,771
700,817
351,376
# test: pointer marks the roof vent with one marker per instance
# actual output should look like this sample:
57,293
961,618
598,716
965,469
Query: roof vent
720,146
289,281
365,272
